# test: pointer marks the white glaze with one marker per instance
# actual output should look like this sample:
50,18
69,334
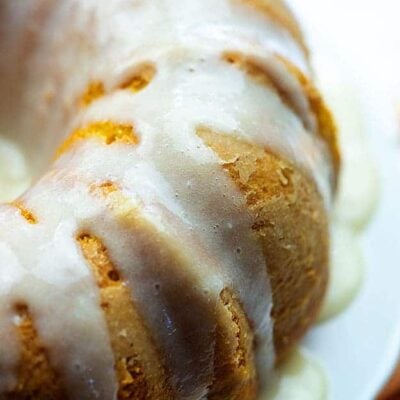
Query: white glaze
359,184
300,378
165,177
347,270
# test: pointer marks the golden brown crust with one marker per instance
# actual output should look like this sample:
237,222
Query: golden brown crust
234,366
292,223
94,91
37,379
142,76
138,366
25,213
106,131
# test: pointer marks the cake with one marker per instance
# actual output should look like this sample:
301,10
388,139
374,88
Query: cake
175,242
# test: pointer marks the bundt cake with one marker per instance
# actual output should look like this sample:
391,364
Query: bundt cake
175,242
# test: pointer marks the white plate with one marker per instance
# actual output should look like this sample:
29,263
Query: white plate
359,348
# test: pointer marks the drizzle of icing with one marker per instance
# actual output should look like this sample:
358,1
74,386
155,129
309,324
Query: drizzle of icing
347,270
300,378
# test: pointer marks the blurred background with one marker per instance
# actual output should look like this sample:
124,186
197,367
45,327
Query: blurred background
368,33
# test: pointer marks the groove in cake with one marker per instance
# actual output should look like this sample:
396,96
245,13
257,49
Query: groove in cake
138,367
234,365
